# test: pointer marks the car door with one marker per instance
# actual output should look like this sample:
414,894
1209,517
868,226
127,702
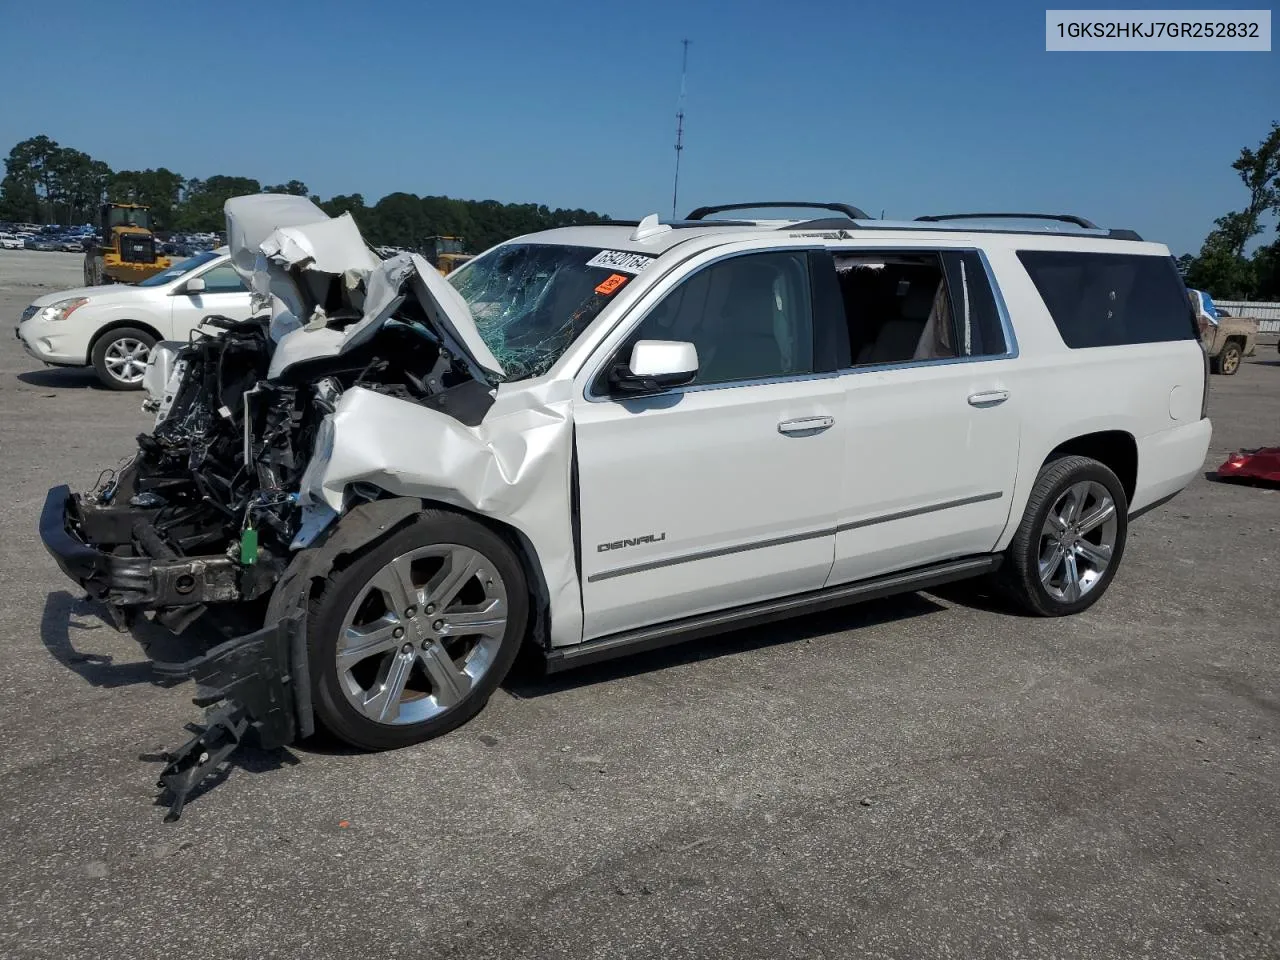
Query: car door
723,492
931,409
224,294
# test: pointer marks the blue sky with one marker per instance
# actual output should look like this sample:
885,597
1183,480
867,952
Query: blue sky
909,108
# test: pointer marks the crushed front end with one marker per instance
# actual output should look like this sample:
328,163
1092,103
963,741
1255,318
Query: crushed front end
200,521
210,515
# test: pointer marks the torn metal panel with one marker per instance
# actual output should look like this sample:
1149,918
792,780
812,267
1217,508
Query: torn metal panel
328,245
407,275
252,219
513,467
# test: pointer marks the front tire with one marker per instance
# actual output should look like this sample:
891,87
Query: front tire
120,357
1071,539
408,642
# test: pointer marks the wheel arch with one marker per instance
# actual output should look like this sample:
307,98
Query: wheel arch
1117,450
119,325
381,518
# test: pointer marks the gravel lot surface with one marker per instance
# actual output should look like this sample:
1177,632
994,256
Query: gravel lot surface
929,776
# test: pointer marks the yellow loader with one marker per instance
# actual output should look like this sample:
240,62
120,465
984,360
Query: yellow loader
125,249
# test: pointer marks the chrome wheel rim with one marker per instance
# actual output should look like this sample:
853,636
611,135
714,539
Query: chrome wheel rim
1078,541
421,633
126,359
1230,361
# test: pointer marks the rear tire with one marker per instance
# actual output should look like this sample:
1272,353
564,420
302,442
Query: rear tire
410,640
1071,539
1227,362
120,357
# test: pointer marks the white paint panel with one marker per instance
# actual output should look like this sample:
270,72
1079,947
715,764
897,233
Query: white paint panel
914,442
711,471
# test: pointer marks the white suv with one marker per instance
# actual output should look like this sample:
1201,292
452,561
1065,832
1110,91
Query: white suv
112,328
602,439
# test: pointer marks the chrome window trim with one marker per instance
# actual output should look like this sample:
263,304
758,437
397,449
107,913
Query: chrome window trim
1011,352
831,531
588,391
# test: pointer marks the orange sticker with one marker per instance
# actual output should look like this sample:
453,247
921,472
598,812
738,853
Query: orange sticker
611,284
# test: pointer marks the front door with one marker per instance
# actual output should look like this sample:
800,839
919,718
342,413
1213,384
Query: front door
723,492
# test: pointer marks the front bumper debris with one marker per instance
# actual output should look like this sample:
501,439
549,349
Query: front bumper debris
258,682
142,582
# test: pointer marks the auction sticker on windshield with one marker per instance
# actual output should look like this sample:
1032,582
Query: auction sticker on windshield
614,281
620,260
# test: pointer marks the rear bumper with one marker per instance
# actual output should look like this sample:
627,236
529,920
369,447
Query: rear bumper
1169,460
141,582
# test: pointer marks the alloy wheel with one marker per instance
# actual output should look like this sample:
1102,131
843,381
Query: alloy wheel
1078,540
421,633
126,359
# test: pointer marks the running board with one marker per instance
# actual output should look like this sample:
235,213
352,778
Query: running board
722,621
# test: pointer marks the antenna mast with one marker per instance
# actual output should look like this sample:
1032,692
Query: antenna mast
684,69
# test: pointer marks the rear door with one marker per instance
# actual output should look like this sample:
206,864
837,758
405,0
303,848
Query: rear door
224,294
931,404
723,492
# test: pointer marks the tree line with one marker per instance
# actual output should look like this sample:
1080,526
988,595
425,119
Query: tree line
48,183
1221,267
45,182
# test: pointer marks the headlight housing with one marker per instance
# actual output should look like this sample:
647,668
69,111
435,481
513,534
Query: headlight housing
62,309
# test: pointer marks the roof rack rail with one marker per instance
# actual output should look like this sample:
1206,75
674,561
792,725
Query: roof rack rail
1059,217
852,212
1114,233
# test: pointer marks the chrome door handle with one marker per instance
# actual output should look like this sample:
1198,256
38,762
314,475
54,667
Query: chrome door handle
805,425
990,399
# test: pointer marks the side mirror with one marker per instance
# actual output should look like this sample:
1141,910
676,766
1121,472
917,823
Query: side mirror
655,365
194,285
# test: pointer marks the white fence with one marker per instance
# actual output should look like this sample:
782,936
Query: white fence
1267,314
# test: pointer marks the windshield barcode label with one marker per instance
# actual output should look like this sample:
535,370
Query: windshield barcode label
620,260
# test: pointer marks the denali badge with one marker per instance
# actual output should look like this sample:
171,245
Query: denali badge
631,542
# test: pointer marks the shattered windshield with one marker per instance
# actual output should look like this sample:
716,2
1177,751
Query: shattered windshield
531,301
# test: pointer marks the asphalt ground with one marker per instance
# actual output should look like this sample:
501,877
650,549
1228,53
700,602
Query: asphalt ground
928,776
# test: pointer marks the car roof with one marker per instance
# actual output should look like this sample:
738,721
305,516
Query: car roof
654,236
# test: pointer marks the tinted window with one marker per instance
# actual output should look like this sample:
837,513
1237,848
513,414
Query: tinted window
222,279
1105,299
749,317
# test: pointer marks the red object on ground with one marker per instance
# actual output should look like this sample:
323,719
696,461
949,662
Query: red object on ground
1261,464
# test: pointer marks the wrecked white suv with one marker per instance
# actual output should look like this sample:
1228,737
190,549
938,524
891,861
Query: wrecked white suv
601,439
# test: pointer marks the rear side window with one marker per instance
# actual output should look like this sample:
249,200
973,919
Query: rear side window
1108,299
913,306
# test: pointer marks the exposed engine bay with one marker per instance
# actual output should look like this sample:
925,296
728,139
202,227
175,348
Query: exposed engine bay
217,481
363,392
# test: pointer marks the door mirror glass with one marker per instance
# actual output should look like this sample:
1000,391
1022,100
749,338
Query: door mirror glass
656,365
194,285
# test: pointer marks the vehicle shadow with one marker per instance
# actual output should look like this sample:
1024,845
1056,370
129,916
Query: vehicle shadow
528,679
75,378
67,618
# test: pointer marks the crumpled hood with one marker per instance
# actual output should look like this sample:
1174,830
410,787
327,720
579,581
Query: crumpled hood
293,263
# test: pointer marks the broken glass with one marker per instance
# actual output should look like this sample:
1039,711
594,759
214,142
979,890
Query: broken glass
531,301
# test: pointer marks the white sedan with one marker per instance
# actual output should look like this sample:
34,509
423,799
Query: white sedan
113,328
